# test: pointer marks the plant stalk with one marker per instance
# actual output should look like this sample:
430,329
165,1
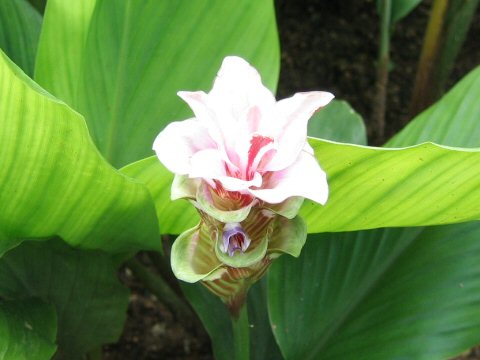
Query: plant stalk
241,334
422,95
382,72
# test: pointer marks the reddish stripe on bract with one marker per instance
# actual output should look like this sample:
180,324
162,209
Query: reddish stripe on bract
256,144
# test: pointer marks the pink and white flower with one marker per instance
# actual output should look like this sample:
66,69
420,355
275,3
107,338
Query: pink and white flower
243,141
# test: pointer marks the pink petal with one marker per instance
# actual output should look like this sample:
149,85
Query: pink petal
289,126
176,144
304,178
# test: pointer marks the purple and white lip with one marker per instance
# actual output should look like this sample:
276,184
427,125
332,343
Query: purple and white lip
234,239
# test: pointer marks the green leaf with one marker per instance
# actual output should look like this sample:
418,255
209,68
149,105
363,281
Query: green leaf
27,330
339,122
82,285
375,297
126,87
372,187
20,27
451,121
54,181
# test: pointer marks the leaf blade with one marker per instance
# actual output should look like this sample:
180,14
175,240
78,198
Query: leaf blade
53,180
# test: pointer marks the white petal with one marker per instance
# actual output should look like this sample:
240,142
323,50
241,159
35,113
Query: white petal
290,129
176,144
304,178
204,112
207,164
239,85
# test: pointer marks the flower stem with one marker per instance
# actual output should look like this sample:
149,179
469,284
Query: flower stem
241,335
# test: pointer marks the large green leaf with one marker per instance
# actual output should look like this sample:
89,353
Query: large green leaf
54,181
375,297
82,285
373,187
20,27
27,330
138,54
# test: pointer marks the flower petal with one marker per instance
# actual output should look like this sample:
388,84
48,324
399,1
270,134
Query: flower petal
239,85
205,113
289,126
228,133
208,164
304,178
176,144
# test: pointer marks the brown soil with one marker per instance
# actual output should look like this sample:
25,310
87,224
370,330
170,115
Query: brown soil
324,46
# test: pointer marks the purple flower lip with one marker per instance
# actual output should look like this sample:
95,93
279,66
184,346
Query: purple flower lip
234,239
